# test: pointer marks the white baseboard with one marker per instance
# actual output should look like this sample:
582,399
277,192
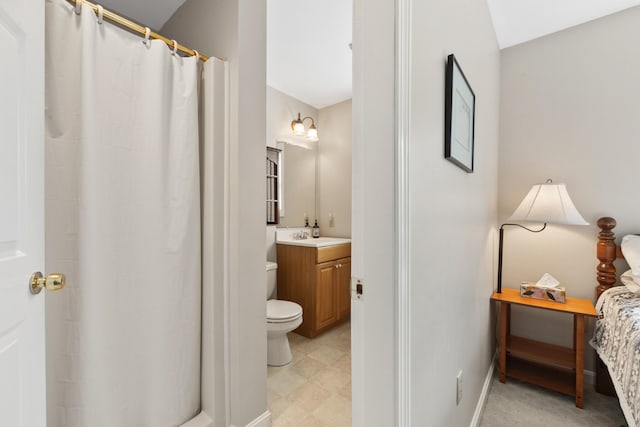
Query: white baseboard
484,395
589,377
200,420
264,420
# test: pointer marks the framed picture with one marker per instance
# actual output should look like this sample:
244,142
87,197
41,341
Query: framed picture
459,117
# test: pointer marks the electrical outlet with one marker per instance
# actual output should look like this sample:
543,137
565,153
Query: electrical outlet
458,387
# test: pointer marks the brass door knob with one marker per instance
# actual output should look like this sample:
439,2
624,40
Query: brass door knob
53,282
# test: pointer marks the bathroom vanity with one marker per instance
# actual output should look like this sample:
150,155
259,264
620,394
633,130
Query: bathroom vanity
316,273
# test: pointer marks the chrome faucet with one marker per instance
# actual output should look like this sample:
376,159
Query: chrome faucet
300,235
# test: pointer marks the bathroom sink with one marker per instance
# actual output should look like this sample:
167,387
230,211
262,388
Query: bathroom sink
317,242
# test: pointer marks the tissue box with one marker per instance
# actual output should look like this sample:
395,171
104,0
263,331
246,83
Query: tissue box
530,290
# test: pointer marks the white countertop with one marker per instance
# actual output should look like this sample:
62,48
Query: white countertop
316,243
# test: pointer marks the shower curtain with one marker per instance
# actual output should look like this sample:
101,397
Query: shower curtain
123,222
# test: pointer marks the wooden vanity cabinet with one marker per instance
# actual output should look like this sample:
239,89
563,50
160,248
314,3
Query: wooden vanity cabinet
343,287
319,280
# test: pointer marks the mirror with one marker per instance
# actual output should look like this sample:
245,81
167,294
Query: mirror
298,176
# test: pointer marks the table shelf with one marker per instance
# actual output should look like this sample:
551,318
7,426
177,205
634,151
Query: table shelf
541,352
547,365
546,376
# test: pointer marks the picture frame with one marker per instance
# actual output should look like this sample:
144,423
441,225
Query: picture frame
459,105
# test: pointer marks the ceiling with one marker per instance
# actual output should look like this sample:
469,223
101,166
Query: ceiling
523,20
150,13
308,55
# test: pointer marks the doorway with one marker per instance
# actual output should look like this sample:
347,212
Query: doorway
309,73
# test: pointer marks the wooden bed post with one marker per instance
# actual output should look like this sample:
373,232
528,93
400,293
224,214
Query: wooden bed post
606,252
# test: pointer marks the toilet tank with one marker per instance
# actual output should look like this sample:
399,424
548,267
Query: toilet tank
272,272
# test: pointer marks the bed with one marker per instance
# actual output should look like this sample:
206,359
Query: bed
617,330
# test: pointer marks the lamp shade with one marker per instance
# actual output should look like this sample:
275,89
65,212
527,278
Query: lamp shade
298,129
312,133
549,203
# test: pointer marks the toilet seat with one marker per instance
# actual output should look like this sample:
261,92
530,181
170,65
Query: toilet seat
279,311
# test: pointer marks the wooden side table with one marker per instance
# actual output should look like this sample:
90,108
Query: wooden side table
547,365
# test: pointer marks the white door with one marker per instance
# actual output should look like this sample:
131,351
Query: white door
22,356
374,321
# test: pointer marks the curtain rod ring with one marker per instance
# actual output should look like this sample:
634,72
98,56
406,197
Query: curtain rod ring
196,54
100,14
147,34
78,7
175,47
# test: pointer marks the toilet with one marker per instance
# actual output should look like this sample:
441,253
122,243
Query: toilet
282,318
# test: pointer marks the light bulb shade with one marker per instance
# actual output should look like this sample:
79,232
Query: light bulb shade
312,133
297,126
548,203
298,129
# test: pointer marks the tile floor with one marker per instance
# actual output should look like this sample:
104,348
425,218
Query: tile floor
314,390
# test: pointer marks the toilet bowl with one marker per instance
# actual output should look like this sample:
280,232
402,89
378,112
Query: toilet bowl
282,318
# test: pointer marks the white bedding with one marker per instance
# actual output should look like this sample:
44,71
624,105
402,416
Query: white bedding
617,342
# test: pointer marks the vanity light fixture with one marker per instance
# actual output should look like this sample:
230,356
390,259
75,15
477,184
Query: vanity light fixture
548,203
297,126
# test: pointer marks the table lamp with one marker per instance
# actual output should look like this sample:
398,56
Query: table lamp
548,203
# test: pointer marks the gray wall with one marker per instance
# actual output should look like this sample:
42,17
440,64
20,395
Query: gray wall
334,170
299,173
570,108
236,30
453,213
333,165
299,176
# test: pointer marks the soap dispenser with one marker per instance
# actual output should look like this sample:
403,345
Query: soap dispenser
316,230
307,228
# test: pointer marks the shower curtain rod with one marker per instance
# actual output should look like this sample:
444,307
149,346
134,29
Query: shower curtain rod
137,28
